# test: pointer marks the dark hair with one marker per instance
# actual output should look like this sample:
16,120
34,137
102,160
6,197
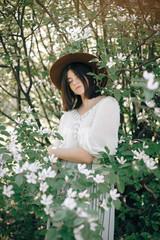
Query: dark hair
81,70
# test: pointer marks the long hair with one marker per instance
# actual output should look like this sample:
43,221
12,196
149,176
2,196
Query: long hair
81,70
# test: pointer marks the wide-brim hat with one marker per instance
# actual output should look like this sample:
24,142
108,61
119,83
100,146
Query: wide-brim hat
58,66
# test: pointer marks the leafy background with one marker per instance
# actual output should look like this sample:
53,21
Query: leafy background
33,34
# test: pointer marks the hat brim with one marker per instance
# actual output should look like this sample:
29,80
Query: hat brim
58,67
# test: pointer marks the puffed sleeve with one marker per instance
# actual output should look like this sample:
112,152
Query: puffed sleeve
104,129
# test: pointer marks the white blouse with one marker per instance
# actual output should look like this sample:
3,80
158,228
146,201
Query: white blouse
94,130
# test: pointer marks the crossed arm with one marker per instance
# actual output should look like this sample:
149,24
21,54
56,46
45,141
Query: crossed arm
79,155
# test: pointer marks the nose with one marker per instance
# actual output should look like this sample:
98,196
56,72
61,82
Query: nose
76,81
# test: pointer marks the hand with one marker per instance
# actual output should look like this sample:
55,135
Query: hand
51,150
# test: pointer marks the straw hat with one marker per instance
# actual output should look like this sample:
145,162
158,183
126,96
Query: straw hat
58,66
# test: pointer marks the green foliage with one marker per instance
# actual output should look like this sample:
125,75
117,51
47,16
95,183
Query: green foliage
127,45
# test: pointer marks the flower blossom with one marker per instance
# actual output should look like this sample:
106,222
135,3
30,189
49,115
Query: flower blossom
83,170
77,232
150,163
138,155
121,160
49,211
31,178
114,194
47,200
104,205
66,179
133,17
69,203
99,178
43,186
150,80
28,110
142,116
83,194
121,140
2,171
81,213
93,225
121,57
53,159
17,169
157,111
71,193
110,63
19,121
8,190
150,104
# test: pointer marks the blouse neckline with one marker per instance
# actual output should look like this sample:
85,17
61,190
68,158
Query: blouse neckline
84,114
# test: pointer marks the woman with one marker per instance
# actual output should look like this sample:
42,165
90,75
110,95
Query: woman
90,121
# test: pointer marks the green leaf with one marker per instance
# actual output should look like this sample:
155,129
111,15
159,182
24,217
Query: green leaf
78,221
19,180
121,187
51,234
112,178
148,94
117,203
59,215
6,157
5,133
2,127
117,95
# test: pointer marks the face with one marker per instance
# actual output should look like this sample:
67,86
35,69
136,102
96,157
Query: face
75,83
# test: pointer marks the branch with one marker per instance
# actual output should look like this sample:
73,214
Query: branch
149,190
53,19
133,69
11,94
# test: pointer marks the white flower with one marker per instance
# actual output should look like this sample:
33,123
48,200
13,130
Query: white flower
150,80
156,27
104,205
114,194
121,57
49,211
17,169
46,159
81,213
53,159
139,155
83,194
8,190
43,186
99,178
31,178
29,122
43,131
47,200
25,166
19,121
121,140
66,179
71,193
150,163
69,203
2,171
145,146
42,175
142,116
121,160
81,168
50,173
28,110
93,226
133,17
77,232
150,104
110,63
157,111
33,167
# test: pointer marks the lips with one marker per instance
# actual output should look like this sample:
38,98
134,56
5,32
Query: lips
78,87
